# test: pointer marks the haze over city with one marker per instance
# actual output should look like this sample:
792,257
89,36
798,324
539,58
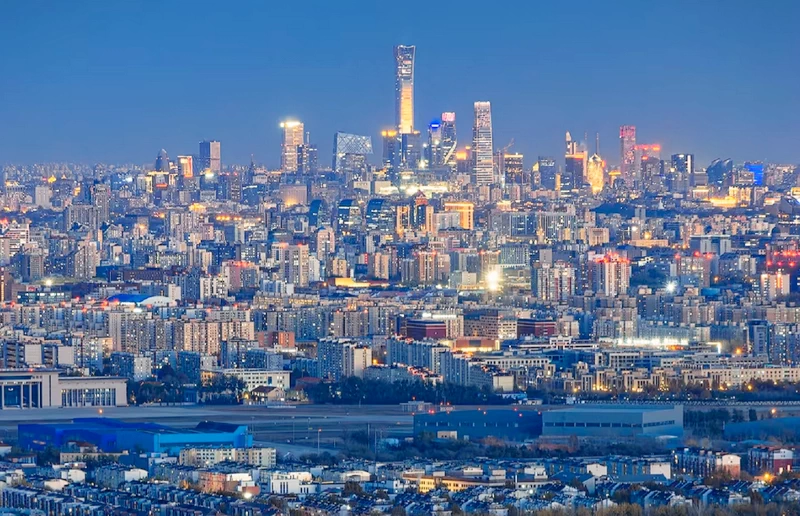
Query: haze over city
114,82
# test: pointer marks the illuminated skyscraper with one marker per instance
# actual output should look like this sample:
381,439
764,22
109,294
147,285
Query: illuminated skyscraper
346,144
292,262
162,162
410,150
210,156
307,158
185,166
574,174
293,136
595,173
348,216
482,145
720,172
574,165
514,170
101,199
187,179
553,282
651,170
757,169
464,163
681,172
571,146
433,149
466,213
547,172
644,152
627,141
404,88
449,140
391,150
609,275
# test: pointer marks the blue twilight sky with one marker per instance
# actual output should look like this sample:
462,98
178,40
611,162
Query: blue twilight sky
115,81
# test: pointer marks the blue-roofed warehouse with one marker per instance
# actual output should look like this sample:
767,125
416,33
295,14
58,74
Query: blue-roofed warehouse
113,435
502,423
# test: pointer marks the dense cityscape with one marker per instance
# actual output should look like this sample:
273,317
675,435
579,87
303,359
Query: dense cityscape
413,320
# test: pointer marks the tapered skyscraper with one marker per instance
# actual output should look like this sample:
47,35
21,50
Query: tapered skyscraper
404,88
482,146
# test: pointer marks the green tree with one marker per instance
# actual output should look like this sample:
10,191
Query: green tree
352,488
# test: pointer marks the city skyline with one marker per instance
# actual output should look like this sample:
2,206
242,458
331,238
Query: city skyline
87,116
581,222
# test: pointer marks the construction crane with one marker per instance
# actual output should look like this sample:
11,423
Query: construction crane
510,144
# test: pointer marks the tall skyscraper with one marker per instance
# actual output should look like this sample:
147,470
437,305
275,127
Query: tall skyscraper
720,172
554,282
293,136
187,180
307,158
391,150
547,172
162,162
574,174
101,199
571,146
609,275
757,169
185,166
651,170
482,145
627,142
404,88
346,144
574,165
449,140
292,262
514,169
410,150
433,149
681,172
209,158
595,173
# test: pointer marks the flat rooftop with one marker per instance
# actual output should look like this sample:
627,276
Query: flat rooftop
111,424
614,409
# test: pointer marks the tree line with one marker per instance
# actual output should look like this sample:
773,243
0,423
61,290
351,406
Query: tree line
354,390
169,386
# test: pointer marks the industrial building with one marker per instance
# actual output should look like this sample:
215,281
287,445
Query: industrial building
44,388
786,427
502,423
614,421
112,435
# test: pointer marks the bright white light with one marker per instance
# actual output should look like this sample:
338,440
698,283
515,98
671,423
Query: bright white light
48,283
493,280
209,174
672,287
